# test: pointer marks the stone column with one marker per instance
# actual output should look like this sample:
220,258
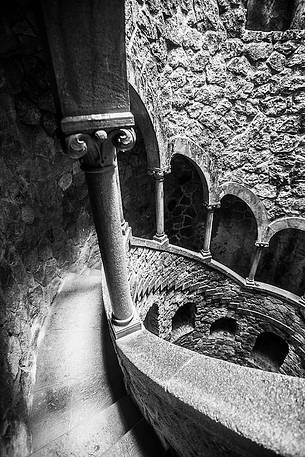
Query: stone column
124,224
158,175
98,156
257,256
205,251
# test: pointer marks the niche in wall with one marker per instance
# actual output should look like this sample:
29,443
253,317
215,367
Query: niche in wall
267,15
183,321
234,234
283,262
151,321
184,194
225,327
270,351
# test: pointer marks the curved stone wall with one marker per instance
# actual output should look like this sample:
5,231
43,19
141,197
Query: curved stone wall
238,94
45,223
171,280
203,406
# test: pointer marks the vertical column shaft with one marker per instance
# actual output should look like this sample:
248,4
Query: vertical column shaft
206,250
104,198
159,199
124,224
255,261
158,175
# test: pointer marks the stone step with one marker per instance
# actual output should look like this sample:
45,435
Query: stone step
140,441
96,434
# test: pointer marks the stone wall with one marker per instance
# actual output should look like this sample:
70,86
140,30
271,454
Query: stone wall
238,94
171,281
45,224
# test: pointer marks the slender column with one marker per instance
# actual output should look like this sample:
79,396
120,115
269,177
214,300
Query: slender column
124,223
208,229
98,156
257,256
158,175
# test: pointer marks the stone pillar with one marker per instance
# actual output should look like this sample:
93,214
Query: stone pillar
98,157
158,175
205,251
124,224
257,256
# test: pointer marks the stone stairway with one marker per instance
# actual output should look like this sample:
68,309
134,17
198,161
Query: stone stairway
80,407
153,271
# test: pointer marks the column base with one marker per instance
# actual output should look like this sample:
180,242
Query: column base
125,227
250,282
119,329
302,300
162,239
206,254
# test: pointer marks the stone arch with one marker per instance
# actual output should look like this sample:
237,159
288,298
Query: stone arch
183,320
253,202
224,327
283,224
186,147
151,321
144,122
270,351
185,192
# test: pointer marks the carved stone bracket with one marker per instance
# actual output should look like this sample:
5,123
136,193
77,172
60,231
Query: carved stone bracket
98,150
159,173
211,206
262,244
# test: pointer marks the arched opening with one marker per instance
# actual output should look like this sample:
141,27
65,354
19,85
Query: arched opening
283,263
270,351
183,321
184,210
267,15
234,234
151,321
137,189
225,327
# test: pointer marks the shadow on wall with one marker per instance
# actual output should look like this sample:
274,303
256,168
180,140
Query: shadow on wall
137,189
185,214
267,15
283,262
234,235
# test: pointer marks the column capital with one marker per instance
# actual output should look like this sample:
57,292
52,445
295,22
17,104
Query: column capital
98,150
211,206
159,173
261,244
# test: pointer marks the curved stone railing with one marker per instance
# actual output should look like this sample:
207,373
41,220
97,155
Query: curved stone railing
197,256
204,406
167,277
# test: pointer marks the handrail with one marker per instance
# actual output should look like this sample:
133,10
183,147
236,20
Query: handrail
197,256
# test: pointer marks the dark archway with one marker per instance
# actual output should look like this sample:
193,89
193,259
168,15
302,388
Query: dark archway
224,327
183,321
185,213
283,263
151,321
267,15
137,189
234,234
270,351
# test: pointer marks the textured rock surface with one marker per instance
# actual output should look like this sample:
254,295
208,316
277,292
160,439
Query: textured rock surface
238,94
45,226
